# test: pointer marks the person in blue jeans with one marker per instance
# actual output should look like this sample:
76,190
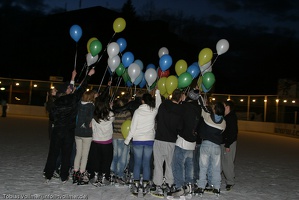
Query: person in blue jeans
210,129
142,131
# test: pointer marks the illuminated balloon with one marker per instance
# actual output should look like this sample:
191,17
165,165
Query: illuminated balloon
165,62
91,59
162,51
171,84
163,74
150,66
126,76
89,42
119,25
180,67
222,46
204,56
143,82
125,128
120,69
133,71
127,59
122,44
193,70
112,49
113,62
139,63
162,85
150,76
95,47
139,78
208,79
76,32
184,80
205,68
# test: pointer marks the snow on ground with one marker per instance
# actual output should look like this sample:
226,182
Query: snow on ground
267,167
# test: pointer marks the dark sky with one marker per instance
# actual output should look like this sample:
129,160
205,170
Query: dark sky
263,37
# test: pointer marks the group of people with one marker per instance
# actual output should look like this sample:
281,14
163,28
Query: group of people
178,146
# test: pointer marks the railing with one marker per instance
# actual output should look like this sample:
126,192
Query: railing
263,108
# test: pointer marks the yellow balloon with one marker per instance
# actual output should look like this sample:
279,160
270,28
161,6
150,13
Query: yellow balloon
199,82
119,25
171,83
166,95
89,42
162,85
125,128
180,67
204,56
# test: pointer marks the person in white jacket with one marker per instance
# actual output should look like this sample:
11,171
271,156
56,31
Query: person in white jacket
142,133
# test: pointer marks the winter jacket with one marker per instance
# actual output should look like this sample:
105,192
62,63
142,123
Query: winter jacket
103,131
85,115
120,118
230,134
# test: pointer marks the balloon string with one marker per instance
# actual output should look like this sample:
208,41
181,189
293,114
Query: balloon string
118,83
81,71
75,63
102,79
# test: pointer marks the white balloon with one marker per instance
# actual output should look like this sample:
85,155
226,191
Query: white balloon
205,68
150,76
163,51
222,46
112,49
133,71
113,63
91,59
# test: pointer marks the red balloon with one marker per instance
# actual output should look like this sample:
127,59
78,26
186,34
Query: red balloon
163,74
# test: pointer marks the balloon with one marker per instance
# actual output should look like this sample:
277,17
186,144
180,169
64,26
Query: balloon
205,90
205,68
162,85
162,51
127,59
122,43
204,56
95,47
193,70
89,42
125,128
91,59
112,49
113,62
120,69
76,32
184,80
143,82
133,71
208,79
139,78
222,46
150,66
126,76
149,88
165,62
150,76
119,25
163,74
171,84
129,83
139,63
180,67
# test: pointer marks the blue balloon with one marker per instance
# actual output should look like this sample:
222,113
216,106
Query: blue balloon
139,78
122,44
127,59
139,63
129,83
150,66
204,89
142,83
165,62
193,70
76,32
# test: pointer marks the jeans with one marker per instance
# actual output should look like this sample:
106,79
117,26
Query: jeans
210,161
120,157
182,166
142,159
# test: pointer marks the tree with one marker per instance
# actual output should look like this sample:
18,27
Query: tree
128,10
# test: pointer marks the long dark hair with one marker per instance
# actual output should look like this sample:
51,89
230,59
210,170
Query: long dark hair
149,100
101,111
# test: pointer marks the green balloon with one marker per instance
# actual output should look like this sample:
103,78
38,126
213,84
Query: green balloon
120,69
208,80
126,76
95,47
184,80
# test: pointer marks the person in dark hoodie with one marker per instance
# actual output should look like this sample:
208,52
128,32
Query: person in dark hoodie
229,144
182,163
168,126
64,113
210,129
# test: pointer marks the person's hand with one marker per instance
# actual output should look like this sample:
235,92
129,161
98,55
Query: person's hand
109,83
74,73
91,72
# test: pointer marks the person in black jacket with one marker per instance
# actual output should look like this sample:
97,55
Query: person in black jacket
64,112
169,124
229,144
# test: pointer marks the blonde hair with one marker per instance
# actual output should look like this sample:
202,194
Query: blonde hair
89,96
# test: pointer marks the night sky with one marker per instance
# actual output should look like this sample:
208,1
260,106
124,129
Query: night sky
263,38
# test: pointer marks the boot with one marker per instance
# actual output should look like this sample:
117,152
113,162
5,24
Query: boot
76,176
145,187
135,187
83,178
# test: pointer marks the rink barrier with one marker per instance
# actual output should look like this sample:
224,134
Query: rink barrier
251,126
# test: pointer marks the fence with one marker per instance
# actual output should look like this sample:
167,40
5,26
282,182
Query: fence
263,108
